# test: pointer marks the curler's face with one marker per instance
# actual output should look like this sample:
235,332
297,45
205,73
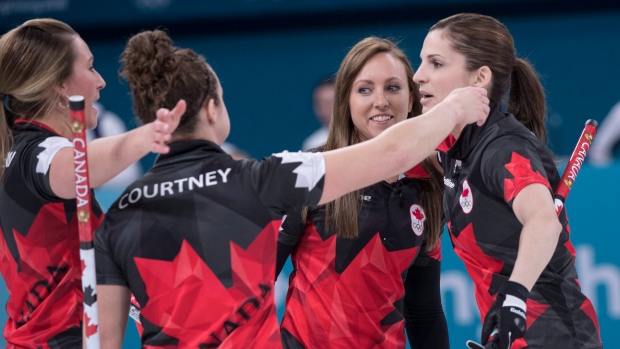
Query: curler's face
379,96
442,70
84,80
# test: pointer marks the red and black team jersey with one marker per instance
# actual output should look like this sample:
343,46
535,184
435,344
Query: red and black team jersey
195,241
39,251
484,171
349,293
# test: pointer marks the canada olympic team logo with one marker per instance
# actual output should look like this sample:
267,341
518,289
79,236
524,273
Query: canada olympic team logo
467,199
417,219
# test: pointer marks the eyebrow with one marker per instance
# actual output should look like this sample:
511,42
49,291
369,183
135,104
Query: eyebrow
433,55
372,82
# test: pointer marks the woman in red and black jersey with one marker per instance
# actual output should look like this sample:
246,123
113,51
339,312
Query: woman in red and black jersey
351,256
42,63
195,238
498,196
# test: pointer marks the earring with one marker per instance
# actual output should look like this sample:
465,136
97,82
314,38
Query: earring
60,102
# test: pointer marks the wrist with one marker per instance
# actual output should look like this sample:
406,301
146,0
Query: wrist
514,289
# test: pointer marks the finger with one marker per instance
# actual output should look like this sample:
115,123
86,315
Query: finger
178,111
473,345
489,330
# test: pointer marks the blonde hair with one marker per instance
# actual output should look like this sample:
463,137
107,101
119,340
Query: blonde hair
35,58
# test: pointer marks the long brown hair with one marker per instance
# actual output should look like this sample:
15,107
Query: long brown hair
35,58
341,214
485,41
159,74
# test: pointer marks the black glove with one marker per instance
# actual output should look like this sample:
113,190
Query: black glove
505,321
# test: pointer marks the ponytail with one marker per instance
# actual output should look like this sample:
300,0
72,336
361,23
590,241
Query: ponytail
526,100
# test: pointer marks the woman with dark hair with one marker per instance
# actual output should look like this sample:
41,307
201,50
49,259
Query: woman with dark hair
372,239
42,63
195,238
498,198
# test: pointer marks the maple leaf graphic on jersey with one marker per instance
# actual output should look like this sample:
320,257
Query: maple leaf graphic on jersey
465,193
523,175
190,303
418,214
44,266
366,289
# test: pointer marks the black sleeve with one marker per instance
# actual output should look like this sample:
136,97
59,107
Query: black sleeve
284,251
425,320
290,232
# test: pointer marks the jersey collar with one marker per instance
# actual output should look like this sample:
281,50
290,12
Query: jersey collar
199,147
472,133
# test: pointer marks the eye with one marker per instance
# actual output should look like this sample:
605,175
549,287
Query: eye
437,64
363,90
393,88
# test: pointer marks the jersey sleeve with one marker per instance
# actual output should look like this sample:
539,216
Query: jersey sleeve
108,271
509,164
287,180
36,161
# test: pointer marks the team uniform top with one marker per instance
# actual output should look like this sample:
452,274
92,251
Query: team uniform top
40,246
483,172
195,241
349,293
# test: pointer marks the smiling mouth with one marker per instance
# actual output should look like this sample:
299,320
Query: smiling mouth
381,118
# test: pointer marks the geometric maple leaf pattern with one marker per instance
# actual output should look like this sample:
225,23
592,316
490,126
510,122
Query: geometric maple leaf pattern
521,169
352,304
47,262
188,301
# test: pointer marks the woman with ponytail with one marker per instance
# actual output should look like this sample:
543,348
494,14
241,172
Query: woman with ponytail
498,196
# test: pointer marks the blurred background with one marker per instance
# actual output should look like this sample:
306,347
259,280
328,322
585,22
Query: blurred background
270,54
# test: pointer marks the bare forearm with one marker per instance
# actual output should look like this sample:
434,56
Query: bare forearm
394,151
108,156
536,247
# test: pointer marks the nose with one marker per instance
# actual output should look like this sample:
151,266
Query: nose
100,83
380,100
419,76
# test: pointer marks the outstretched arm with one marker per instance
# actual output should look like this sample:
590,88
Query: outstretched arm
401,146
108,156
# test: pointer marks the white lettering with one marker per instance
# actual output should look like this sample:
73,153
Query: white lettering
121,205
169,187
81,190
224,174
180,183
210,178
166,187
146,192
134,198
581,156
197,181
81,202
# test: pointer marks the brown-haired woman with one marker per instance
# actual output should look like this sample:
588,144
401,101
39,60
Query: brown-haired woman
499,191
42,62
351,256
195,238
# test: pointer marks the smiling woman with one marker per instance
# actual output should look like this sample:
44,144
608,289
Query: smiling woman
42,63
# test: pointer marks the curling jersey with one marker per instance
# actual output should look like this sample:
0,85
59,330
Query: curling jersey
39,251
195,241
348,293
483,172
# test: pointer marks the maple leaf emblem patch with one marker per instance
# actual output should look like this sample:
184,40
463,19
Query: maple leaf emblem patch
467,199
416,212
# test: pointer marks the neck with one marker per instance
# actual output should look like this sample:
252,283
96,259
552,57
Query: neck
58,122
